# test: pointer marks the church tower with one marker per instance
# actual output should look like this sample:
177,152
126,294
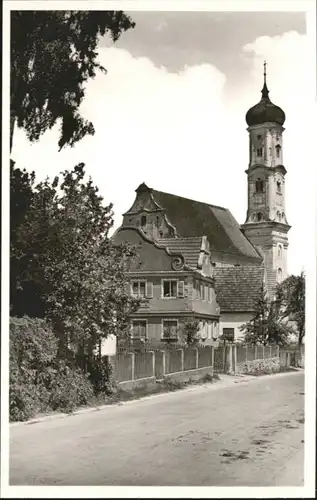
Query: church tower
266,224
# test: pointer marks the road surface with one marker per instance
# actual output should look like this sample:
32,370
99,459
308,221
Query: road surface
239,434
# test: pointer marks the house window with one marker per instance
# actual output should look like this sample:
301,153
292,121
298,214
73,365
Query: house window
210,294
169,327
259,152
202,292
279,250
209,330
169,288
143,220
139,329
228,334
278,185
138,288
203,329
278,150
259,186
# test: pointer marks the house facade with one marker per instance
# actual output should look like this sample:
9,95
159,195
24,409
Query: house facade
175,284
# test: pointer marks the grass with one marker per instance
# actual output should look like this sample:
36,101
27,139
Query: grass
166,385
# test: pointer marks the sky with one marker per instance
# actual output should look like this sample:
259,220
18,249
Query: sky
171,113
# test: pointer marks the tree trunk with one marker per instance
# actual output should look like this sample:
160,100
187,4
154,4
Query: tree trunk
12,123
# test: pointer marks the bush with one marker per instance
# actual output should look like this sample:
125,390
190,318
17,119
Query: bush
69,388
32,342
25,399
101,376
33,348
38,381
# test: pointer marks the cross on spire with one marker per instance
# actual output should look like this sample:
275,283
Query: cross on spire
264,71
265,90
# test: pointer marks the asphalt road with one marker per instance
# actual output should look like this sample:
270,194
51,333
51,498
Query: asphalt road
237,434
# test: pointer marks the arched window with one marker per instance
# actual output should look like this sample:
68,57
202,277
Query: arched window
278,150
279,275
279,217
259,186
279,250
259,152
143,220
278,186
259,216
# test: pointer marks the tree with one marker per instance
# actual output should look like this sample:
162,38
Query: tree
64,266
266,326
291,296
53,55
191,330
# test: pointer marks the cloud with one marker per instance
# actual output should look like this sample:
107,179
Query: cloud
179,133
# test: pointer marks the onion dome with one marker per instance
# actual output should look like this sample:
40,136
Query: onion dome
265,110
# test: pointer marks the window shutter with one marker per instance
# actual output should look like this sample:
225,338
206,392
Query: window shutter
149,289
181,286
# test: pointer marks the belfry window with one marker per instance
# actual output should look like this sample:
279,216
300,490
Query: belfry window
259,152
278,150
279,275
259,186
259,216
143,220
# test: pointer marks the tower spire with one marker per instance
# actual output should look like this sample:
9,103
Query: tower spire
265,90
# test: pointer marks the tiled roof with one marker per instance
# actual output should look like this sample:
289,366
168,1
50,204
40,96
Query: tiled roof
189,247
193,218
237,288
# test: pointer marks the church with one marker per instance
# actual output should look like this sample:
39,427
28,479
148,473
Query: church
194,260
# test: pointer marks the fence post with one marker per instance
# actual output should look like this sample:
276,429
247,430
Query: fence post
132,365
224,357
277,352
153,361
182,359
246,353
212,358
270,351
163,364
197,354
230,359
255,352
234,353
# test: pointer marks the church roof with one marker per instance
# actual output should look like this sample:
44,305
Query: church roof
237,288
190,248
193,219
